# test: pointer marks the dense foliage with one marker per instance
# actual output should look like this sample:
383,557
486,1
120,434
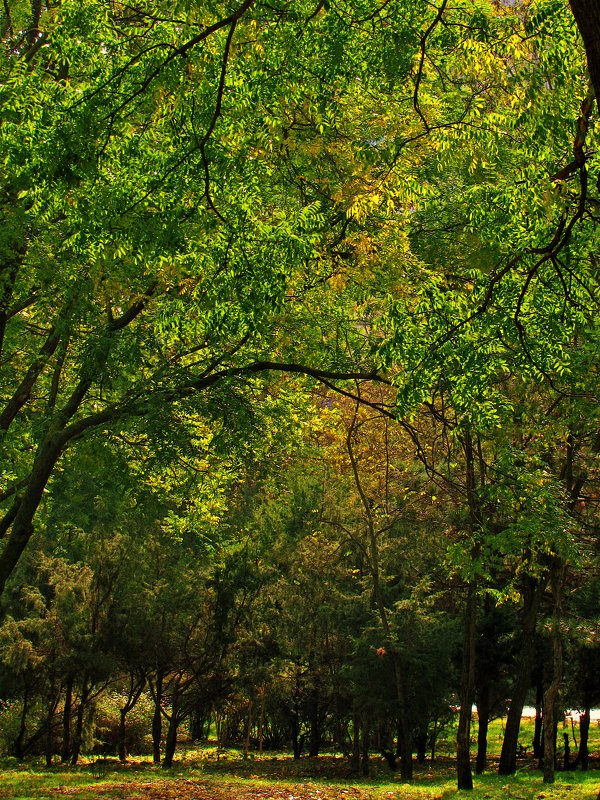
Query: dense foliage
298,373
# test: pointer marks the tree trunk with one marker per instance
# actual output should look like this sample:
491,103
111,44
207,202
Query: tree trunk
551,694
66,741
78,736
483,720
248,730
261,719
171,740
122,735
365,750
584,733
24,512
467,690
510,743
314,743
49,740
355,741
538,750
404,725
295,730
587,17
157,719
421,743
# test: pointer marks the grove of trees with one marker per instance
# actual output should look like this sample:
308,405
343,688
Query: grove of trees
298,374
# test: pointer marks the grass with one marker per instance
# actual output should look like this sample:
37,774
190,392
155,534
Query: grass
200,775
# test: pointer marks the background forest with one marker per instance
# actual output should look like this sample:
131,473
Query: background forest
298,375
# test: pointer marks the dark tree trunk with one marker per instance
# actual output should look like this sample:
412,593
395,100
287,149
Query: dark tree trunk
65,754
421,743
355,742
49,741
538,750
483,721
157,719
405,743
314,742
78,735
587,17
584,734
551,694
27,505
122,734
365,750
198,725
171,739
295,731
467,691
510,743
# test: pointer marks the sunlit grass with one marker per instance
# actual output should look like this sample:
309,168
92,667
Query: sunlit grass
265,777
203,773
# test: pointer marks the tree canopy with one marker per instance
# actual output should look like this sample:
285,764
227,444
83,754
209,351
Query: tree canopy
229,231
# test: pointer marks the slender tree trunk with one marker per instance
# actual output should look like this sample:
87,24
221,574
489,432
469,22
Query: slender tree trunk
365,749
295,730
314,716
551,694
157,719
171,739
78,736
421,743
538,750
261,719
49,741
467,691
405,726
584,734
510,743
66,740
248,731
122,734
483,720
355,741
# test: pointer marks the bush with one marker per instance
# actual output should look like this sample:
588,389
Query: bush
138,725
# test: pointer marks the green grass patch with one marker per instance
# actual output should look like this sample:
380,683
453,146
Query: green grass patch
198,775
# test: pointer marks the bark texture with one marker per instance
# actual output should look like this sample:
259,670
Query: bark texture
587,17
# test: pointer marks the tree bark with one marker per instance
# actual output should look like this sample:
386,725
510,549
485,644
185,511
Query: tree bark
365,750
171,739
66,741
483,720
510,743
467,690
587,17
157,719
538,750
551,694
122,734
22,525
584,733
78,735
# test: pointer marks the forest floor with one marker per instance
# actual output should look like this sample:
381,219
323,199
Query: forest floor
197,777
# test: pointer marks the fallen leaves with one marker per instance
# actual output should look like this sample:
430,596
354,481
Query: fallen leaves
195,790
